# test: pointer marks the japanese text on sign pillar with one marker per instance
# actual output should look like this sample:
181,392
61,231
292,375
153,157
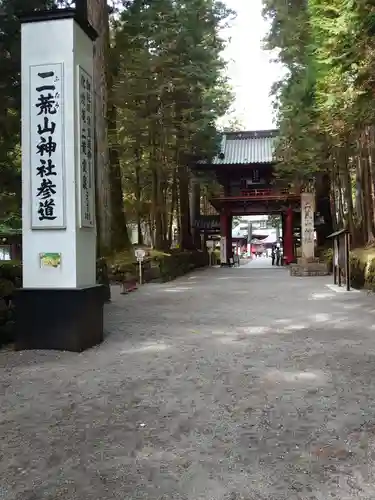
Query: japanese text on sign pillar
86,148
47,105
46,146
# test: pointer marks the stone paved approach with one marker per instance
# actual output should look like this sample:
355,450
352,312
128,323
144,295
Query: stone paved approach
226,384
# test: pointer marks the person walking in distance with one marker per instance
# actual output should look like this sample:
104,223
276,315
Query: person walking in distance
273,254
278,255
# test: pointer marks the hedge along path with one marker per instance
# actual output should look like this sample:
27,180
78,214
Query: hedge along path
123,267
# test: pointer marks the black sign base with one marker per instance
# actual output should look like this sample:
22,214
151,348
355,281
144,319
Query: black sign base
64,319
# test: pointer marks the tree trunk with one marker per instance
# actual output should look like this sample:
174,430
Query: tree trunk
348,192
195,211
172,207
178,217
333,197
158,224
165,217
183,184
339,196
119,234
163,198
98,17
359,191
137,193
371,140
367,205
370,186
324,208
186,240
151,230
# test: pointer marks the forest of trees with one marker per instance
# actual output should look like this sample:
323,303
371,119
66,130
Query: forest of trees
161,86
325,103
165,89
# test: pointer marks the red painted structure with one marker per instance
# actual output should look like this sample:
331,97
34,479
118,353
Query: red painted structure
288,238
245,171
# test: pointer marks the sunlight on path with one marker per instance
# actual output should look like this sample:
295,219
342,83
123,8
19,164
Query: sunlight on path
259,263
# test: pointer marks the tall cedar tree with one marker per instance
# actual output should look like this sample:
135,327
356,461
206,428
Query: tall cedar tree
169,90
325,104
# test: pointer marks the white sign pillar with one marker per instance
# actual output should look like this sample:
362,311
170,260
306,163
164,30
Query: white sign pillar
307,224
223,250
58,188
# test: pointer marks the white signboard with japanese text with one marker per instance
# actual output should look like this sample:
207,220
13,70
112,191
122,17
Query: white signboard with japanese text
223,250
47,147
86,150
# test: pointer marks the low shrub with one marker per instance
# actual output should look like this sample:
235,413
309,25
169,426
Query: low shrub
357,271
362,268
11,270
123,266
177,264
216,257
156,266
369,282
120,272
10,279
326,255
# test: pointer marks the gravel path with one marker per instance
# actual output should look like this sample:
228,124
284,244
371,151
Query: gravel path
226,384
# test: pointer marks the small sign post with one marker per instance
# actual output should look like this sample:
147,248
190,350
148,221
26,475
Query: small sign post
210,247
140,255
341,256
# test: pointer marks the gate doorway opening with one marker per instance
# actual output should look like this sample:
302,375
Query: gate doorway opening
257,237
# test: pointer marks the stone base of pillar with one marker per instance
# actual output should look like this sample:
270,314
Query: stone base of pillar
63,319
303,261
308,268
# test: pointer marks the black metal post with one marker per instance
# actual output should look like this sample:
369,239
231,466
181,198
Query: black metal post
338,260
347,261
334,261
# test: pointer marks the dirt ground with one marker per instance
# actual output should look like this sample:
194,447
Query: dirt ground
225,384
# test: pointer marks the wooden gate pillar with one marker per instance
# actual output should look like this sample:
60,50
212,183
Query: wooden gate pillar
288,237
225,227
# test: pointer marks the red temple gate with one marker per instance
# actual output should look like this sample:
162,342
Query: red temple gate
245,171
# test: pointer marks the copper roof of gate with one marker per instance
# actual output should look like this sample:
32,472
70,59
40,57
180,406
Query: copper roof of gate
243,148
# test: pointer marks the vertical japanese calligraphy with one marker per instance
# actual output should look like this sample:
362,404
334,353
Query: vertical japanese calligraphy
307,224
46,143
86,150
